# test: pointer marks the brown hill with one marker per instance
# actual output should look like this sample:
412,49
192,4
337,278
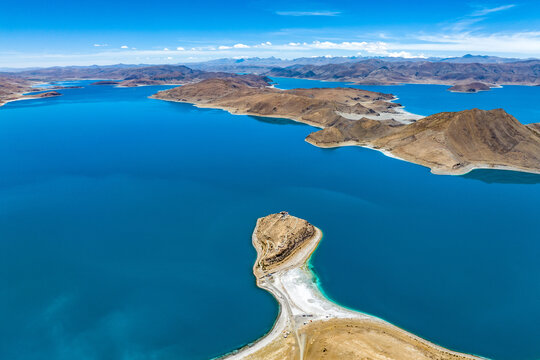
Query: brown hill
467,139
450,142
12,88
318,107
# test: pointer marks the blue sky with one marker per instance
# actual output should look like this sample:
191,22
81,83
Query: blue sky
40,33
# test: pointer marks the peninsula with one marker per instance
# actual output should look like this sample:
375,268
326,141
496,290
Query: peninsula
14,89
309,325
447,143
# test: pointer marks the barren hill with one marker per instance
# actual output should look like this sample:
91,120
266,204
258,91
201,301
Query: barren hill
11,88
319,107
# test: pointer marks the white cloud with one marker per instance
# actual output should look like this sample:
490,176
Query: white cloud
371,47
510,43
165,49
485,11
405,55
377,48
169,57
100,45
477,16
443,43
180,48
308,13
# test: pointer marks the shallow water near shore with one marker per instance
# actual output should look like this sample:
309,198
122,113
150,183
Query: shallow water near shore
125,229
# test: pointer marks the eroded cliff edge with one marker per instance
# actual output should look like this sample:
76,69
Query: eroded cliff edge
448,143
310,326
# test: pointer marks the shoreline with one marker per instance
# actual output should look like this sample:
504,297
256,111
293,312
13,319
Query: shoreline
467,169
20,98
302,303
434,170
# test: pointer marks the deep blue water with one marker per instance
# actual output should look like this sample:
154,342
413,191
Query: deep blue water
125,230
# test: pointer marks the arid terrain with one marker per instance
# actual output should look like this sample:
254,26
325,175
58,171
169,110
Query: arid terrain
310,326
12,89
321,107
447,143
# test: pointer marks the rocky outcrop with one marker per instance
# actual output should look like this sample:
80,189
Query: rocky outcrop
277,237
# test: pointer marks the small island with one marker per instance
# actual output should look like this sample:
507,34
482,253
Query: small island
470,88
106,82
449,143
310,326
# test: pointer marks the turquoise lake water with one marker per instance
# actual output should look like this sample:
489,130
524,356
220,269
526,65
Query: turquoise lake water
125,228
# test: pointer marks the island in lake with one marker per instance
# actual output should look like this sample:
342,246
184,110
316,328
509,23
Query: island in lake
473,87
448,143
310,326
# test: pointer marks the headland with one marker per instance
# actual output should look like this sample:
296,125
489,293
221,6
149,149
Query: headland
310,326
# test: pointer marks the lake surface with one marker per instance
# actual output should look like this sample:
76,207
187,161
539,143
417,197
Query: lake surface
125,229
